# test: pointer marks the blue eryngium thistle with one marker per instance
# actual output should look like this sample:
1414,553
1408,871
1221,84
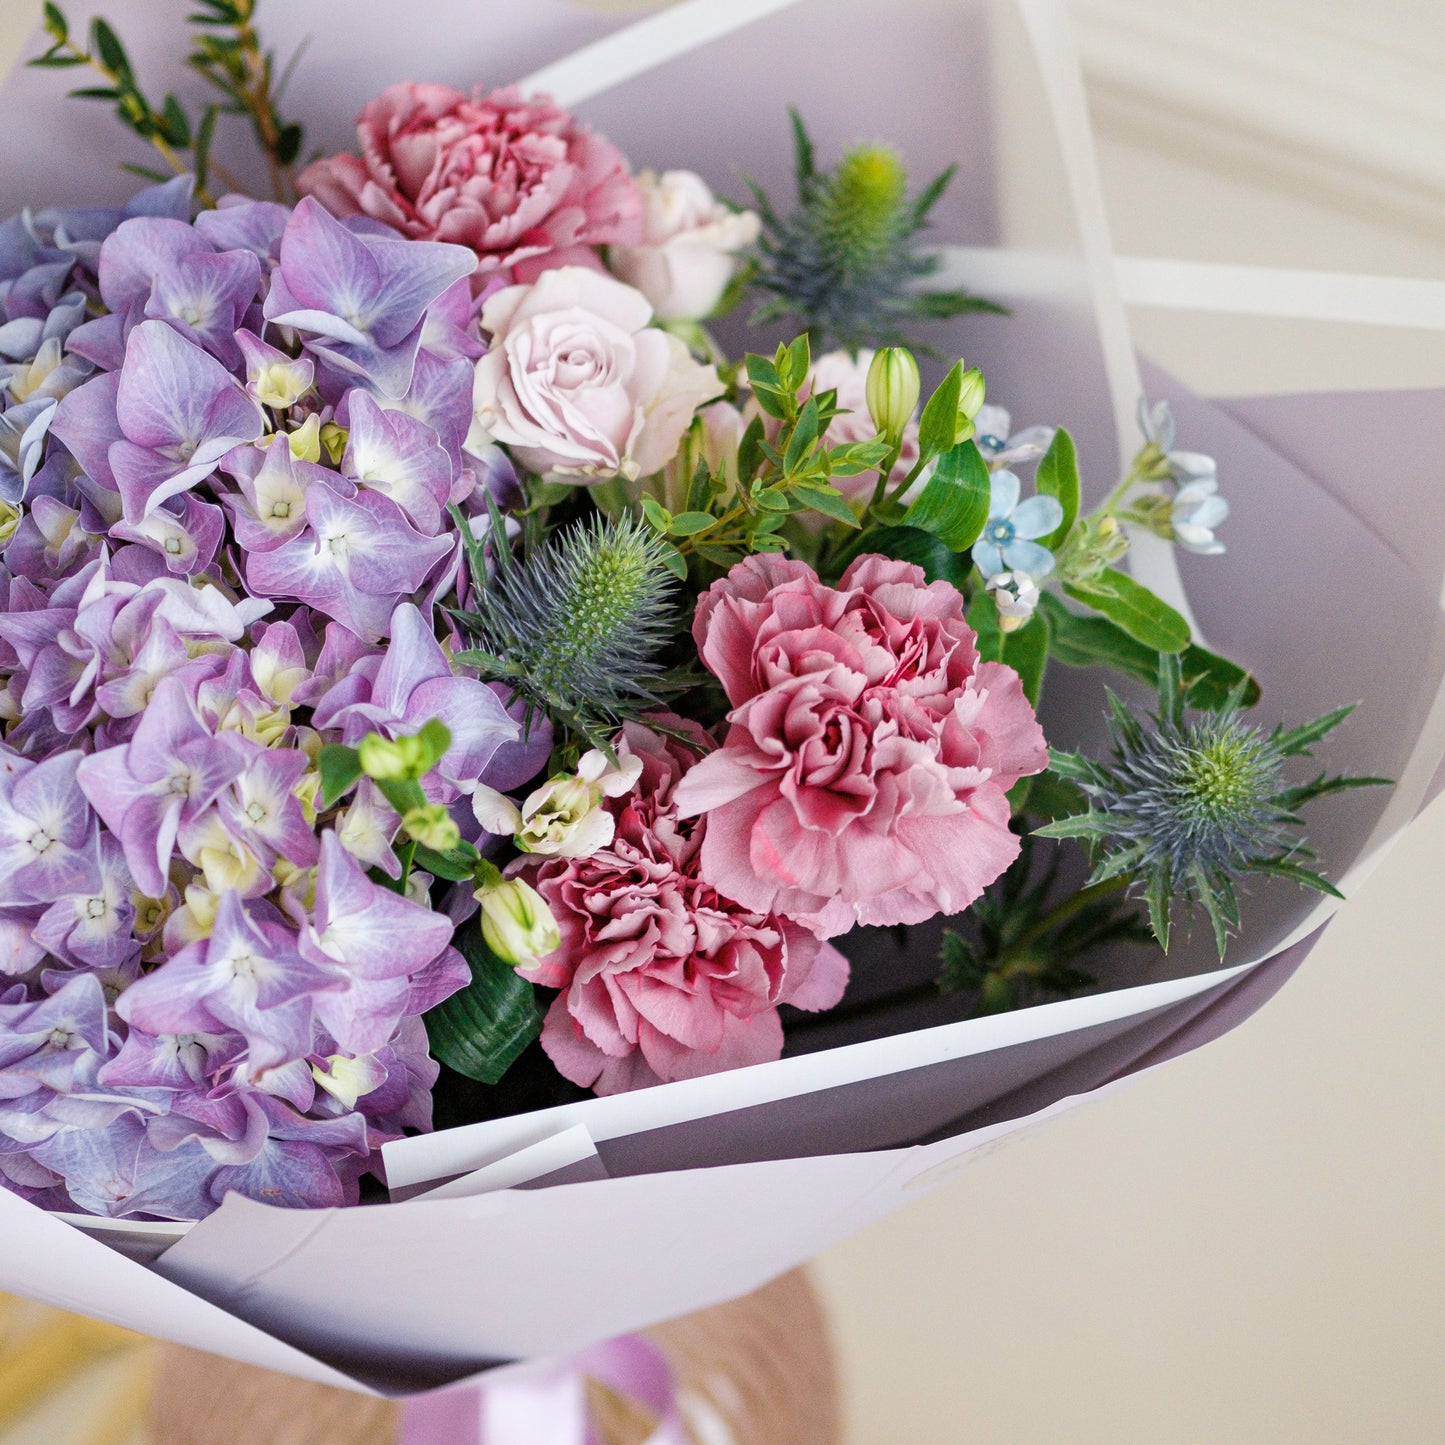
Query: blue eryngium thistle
1191,803
844,261
577,628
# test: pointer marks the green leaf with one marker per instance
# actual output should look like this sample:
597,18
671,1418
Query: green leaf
828,500
689,524
939,561
53,61
288,144
106,44
481,1031
144,172
929,195
1079,641
674,561
1058,476
55,23
456,864
176,124
954,502
798,361
803,162
658,517
1305,877
94,92
939,422
1298,740
802,437
850,458
750,450
201,151
340,767
1145,617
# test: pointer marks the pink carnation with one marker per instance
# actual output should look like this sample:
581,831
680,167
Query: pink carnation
515,178
661,977
863,778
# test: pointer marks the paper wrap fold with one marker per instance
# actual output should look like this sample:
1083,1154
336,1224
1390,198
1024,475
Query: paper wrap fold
544,1233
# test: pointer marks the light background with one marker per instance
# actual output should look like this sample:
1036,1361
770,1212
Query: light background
1247,1245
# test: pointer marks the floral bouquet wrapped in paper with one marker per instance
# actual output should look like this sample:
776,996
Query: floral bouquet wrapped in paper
481,712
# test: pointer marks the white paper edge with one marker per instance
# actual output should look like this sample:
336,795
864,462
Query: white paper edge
571,1146
424,1157
1415,303
643,46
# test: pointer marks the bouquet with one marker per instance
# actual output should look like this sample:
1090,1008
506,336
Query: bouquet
444,678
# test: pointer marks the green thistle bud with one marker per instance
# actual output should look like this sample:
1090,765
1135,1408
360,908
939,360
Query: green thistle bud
577,628
1189,804
845,261
892,390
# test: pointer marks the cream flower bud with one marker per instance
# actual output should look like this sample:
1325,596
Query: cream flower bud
517,924
892,390
432,827
565,818
305,441
970,403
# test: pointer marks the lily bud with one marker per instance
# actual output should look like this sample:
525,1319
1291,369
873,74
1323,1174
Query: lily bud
970,403
892,390
517,924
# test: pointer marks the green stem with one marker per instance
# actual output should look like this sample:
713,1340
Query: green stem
1060,913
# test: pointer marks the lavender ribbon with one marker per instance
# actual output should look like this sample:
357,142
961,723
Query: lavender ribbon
526,1407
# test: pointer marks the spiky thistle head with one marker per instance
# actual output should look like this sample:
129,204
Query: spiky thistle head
845,261
1190,803
577,628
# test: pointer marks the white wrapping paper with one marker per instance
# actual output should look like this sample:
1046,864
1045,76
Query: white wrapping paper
541,1233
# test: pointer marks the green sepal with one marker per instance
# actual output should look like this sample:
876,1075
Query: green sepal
456,865
939,423
481,1030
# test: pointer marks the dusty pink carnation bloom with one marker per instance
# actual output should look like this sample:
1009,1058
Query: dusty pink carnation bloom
514,177
661,977
863,777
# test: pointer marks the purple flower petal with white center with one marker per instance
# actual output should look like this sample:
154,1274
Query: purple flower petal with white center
440,395
366,829
400,457
273,377
93,929
247,976
519,761
206,297
20,951
262,809
415,684
272,506
139,251
188,540
359,558
170,771
180,411
439,980
48,836
170,1061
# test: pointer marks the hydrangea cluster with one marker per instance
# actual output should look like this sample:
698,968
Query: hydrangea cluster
229,449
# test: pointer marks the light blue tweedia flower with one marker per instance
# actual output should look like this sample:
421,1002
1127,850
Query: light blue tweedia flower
1008,542
1196,511
1003,447
1181,468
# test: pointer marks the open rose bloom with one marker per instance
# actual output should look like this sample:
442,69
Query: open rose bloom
862,705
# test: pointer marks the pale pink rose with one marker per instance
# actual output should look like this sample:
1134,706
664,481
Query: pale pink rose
661,977
514,177
578,386
689,246
864,773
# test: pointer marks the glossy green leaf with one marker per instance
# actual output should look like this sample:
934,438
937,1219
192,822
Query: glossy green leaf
481,1030
939,422
689,524
339,767
953,504
1058,476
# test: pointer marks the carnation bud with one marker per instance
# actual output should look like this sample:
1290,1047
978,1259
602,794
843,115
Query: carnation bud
517,924
892,390
432,827
970,403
